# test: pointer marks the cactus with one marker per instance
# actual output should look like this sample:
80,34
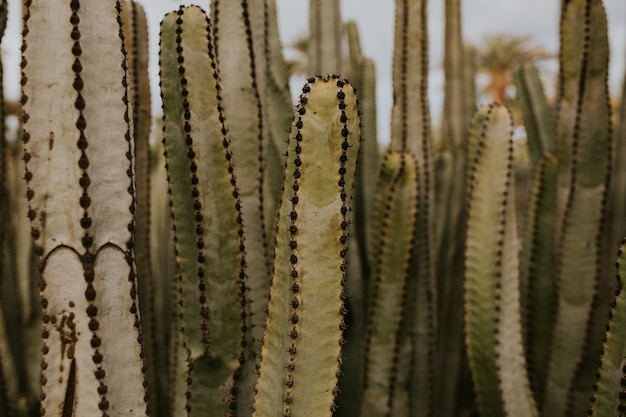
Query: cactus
135,29
77,124
249,262
492,303
608,398
393,279
325,40
206,218
306,299
584,117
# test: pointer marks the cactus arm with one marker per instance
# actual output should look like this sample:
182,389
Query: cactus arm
537,117
493,321
205,213
279,109
243,108
363,76
608,398
538,272
450,227
392,272
410,80
325,37
583,213
77,149
135,28
301,351
410,131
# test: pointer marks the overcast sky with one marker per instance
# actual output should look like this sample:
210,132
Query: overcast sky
537,18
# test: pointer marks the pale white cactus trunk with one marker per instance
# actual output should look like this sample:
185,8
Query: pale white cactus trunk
79,172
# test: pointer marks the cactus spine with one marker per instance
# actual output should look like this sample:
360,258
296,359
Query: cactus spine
78,149
301,351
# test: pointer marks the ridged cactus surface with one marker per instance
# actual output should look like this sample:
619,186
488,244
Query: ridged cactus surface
78,150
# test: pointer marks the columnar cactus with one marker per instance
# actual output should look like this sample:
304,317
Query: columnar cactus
206,218
608,397
492,299
584,154
244,110
78,150
393,279
251,205
325,38
301,353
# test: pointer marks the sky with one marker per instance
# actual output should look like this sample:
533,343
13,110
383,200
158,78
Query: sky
375,18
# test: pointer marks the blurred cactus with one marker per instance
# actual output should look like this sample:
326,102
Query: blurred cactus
264,272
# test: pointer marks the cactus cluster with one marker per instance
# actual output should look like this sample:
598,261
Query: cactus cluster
260,259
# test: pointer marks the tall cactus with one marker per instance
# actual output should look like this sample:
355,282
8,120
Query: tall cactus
492,303
78,149
325,40
301,352
244,110
451,223
393,279
206,218
583,128
411,132
135,28
608,397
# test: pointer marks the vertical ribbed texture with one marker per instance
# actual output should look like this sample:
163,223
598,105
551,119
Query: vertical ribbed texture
492,298
206,218
302,345
240,67
77,150
584,152
325,37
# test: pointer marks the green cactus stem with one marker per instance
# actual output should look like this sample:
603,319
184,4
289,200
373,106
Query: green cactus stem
410,131
390,307
206,218
451,223
301,353
135,28
492,304
279,111
538,272
538,119
361,72
608,396
77,152
243,99
325,37
584,116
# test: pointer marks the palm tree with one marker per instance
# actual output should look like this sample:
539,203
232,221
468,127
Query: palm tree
498,56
